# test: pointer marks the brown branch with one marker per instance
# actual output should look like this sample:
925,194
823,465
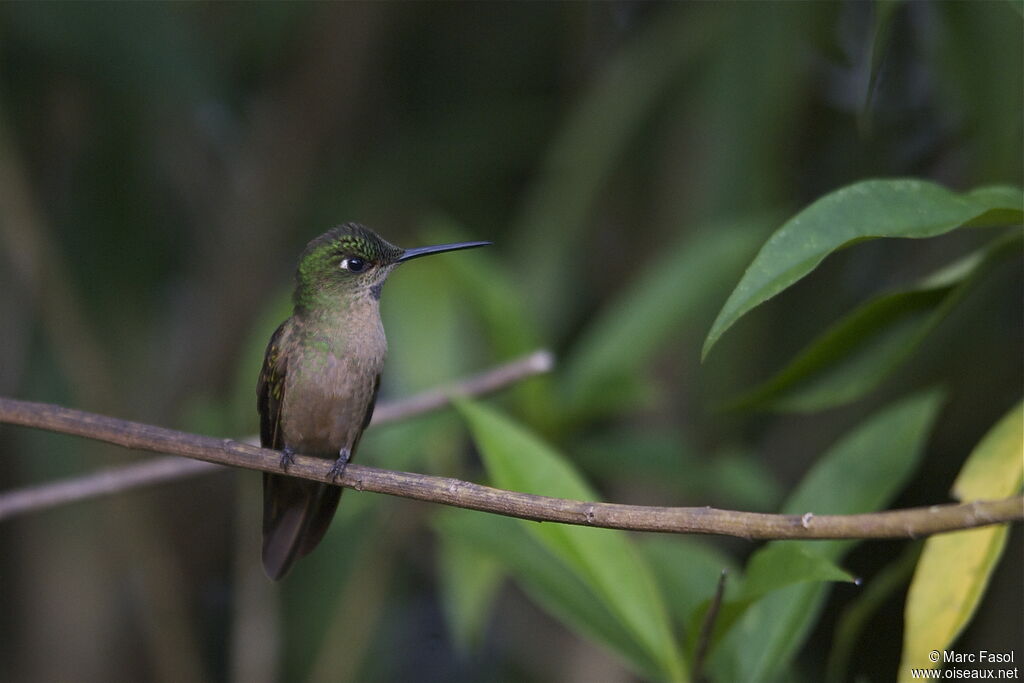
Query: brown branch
161,470
911,523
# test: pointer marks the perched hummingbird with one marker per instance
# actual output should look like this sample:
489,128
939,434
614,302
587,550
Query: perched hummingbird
320,377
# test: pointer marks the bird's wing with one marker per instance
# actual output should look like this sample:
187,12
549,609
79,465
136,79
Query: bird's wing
369,409
270,390
287,502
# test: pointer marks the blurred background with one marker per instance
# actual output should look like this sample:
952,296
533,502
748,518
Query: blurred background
162,165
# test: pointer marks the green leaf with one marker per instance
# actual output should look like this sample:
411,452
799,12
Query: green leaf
862,472
869,209
884,11
782,564
757,94
582,157
607,562
487,287
955,568
743,480
545,579
859,351
969,39
666,459
425,328
469,583
853,356
688,570
772,568
486,284
429,343
669,294
869,466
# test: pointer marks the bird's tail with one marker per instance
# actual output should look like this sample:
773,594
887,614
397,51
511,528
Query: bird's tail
296,514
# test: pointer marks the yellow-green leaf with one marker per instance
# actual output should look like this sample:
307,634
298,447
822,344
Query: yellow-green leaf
955,568
996,467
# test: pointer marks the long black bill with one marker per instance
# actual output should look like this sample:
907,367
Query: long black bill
410,254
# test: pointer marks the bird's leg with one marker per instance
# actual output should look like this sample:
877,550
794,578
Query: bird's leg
287,458
338,468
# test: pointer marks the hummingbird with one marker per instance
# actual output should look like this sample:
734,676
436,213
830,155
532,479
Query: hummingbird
320,377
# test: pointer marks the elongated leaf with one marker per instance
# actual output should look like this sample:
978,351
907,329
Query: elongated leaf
853,356
970,38
781,564
422,316
426,327
488,288
866,210
772,568
995,468
955,568
469,583
671,293
688,570
545,579
583,155
878,456
756,94
732,476
884,11
604,559
859,351
862,472
491,289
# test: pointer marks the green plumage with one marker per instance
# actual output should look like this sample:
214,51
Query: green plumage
320,377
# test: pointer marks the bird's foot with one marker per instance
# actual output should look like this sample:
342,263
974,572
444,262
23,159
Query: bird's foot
287,458
338,468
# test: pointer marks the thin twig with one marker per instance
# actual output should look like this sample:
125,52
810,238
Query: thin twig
161,470
707,628
102,483
488,382
911,523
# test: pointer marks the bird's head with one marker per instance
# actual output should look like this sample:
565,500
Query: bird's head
353,261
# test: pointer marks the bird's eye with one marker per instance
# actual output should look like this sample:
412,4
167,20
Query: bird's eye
353,264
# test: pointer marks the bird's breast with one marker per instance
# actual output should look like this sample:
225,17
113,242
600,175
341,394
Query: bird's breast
327,396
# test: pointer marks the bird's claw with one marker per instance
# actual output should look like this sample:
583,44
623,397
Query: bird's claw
287,458
337,470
